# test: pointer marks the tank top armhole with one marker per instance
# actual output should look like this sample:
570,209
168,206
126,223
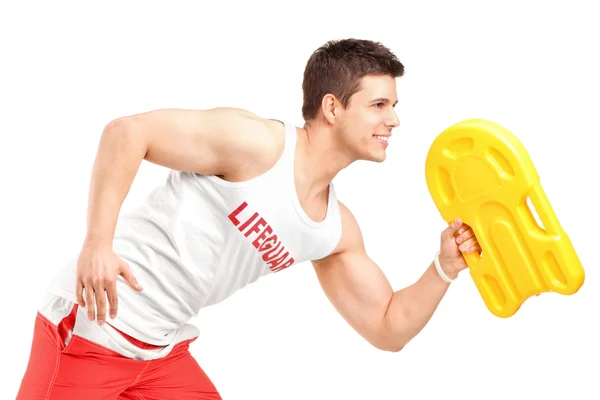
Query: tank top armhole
335,225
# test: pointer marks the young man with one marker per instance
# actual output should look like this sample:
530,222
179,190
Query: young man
115,322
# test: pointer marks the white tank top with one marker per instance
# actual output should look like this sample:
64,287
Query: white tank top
197,239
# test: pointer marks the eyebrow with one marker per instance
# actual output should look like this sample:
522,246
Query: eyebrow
383,100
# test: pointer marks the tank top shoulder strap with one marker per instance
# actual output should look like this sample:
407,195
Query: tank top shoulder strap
289,146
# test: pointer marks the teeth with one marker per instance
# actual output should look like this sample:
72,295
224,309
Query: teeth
384,138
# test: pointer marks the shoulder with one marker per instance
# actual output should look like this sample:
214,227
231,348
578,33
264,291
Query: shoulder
254,143
245,123
260,132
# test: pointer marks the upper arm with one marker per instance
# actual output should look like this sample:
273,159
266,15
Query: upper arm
354,284
217,141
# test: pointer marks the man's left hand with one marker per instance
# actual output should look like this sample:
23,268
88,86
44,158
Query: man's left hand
455,239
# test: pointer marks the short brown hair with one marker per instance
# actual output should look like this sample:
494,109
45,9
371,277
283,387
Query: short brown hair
337,67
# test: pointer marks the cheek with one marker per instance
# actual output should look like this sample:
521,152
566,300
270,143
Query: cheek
359,127
371,119
366,121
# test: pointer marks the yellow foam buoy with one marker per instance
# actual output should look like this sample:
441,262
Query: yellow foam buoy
480,172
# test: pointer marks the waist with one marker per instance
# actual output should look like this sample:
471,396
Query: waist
60,310
136,342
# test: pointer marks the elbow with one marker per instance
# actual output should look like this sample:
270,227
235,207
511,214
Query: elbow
124,134
391,346
390,339
118,126
394,349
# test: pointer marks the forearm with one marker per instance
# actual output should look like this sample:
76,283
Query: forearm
411,308
120,153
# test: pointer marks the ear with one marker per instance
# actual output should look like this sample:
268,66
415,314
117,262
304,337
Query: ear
330,107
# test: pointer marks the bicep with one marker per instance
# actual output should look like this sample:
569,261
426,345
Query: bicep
202,141
354,283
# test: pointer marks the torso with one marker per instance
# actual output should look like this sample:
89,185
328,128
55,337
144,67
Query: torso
197,239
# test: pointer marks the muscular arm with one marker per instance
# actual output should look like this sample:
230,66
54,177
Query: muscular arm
221,141
360,292
231,143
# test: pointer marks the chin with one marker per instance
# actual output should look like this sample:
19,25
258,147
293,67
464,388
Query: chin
381,158
378,156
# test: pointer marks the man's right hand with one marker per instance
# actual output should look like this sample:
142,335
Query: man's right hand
97,269
227,142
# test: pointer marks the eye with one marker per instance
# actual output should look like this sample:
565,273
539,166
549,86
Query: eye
379,105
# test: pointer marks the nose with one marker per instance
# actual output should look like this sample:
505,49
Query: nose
392,120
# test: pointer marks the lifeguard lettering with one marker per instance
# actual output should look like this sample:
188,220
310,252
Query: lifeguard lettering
273,251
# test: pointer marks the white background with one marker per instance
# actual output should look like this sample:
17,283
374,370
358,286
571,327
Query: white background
69,68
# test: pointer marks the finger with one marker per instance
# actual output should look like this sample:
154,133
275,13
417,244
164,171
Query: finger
79,294
113,299
463,229
89,295
100,300
130,279
476,248
465,235
452,228
468,244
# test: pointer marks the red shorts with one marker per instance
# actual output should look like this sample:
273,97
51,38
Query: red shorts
82,369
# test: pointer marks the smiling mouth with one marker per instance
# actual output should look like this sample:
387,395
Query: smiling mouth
382,139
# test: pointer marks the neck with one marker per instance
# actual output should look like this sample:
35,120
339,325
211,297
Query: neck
319,159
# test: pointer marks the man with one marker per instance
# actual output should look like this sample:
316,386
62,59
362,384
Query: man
245,197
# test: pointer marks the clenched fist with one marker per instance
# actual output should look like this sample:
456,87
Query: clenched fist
455,239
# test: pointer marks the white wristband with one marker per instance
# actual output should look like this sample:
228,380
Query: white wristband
439,268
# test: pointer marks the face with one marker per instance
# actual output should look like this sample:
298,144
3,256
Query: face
366,124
